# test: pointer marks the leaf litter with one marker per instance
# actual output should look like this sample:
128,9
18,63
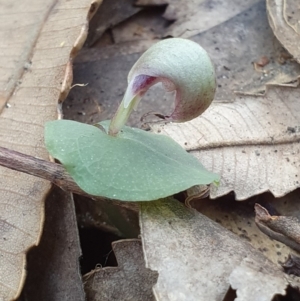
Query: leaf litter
239,218
195,256
249,38
249,142
241,266
196,16
129,281
56,257
112,12
37,43
284,19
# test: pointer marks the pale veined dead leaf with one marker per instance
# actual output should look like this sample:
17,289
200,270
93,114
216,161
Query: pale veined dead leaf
252,142
38,41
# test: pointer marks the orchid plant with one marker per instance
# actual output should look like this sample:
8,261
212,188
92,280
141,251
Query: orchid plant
128,164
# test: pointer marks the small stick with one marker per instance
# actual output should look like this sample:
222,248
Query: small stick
52,172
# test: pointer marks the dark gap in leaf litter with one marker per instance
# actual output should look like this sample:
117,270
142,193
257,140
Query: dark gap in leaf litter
292,294
96,249
230,295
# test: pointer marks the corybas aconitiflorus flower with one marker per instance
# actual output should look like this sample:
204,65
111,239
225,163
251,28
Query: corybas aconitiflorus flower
182,66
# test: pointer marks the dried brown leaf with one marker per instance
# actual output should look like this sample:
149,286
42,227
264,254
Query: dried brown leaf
37,41
53,266
194,17
284,19
252,143
129,281
146,25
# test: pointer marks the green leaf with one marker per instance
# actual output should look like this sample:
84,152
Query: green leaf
134,166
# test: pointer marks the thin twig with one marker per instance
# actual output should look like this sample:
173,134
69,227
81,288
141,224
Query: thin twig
52,172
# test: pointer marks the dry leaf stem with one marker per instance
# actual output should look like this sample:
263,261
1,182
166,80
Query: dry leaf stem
52,172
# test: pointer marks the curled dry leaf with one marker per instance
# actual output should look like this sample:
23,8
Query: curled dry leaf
37,42
252,143
284,19
239,218
195,257
292,265
236,45
285,229
129,281
196,193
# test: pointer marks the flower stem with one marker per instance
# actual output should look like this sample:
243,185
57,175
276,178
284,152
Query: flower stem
122,115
